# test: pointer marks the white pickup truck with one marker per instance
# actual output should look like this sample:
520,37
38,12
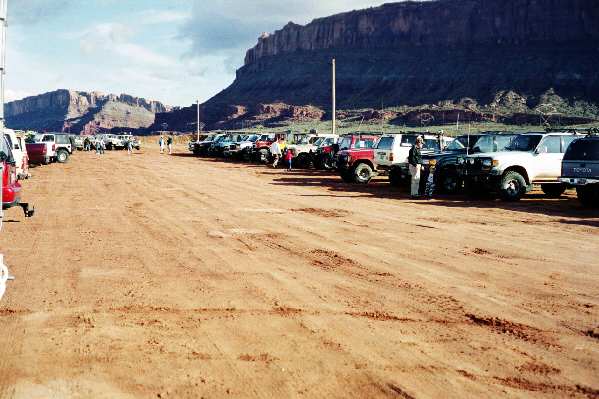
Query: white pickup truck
530,158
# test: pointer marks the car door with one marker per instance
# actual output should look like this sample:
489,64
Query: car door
549,157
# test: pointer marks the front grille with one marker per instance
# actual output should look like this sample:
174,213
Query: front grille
474,166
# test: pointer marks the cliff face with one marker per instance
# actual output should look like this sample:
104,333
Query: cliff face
414,53
81,112
446,23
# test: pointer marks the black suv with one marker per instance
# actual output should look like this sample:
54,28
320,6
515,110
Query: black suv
580,168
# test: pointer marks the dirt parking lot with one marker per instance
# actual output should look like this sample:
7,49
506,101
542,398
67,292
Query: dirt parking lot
177,277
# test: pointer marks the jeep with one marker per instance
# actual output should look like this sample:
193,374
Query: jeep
305,148
530,158
580,169
355,159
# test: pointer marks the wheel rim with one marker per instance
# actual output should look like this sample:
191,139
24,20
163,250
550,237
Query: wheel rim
512,187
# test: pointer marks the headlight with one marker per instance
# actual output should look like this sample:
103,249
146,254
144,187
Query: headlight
487,163
461,161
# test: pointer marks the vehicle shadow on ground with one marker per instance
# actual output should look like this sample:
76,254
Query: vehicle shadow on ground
567,207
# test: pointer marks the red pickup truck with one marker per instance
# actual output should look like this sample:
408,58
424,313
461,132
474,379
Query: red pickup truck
41,152
355,159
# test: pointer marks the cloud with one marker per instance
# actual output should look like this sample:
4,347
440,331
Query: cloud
220,26
153,17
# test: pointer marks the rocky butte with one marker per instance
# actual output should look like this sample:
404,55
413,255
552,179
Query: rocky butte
81,112
509,56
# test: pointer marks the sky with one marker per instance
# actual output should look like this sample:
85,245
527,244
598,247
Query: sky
173,51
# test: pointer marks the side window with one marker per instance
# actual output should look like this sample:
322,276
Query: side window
551,145
567,140
47,138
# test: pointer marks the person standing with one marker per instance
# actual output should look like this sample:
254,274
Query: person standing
129,146
275,151
415,161
102,145
288,159
86,144
169,143
161,143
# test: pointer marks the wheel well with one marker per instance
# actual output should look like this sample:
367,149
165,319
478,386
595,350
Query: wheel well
364,161
518,169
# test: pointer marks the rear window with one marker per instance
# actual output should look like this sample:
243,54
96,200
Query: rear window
408,140
385,143
583,150
62,139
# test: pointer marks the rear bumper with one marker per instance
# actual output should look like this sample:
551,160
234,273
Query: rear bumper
578,181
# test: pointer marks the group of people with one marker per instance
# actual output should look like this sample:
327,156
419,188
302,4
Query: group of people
169,144
278,151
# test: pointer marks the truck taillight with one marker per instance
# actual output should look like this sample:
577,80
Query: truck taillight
53,147
391,157
13,176
327,150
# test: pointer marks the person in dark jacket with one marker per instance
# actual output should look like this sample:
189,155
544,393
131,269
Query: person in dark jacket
415,161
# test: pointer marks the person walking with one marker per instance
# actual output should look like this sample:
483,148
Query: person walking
415,161
129,146
102,145
275,151
169,143
161,143
288,159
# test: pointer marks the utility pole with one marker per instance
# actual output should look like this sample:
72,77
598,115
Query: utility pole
334,98
198,120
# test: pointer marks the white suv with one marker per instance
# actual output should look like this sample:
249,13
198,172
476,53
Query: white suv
392,151
531,158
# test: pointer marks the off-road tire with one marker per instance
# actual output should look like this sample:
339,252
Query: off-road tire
301,161
588,195
62,156
513,187
362,173
449,183
553,190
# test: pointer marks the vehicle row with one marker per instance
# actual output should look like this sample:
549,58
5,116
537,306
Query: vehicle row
506,164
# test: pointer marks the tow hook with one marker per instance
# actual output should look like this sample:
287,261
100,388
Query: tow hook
29,212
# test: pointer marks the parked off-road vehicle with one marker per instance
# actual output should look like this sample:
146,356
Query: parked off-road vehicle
324,156
59,144
444,164
260,151
530,158
236,149
304,149
580,169
392,150
203,148
355,159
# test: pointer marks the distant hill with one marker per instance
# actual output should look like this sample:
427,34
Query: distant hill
491,57
81,112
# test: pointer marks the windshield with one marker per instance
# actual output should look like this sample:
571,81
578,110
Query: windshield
457,144
302,140
583,150
362,143
327,141
524,142
493,143
431,144
319,142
